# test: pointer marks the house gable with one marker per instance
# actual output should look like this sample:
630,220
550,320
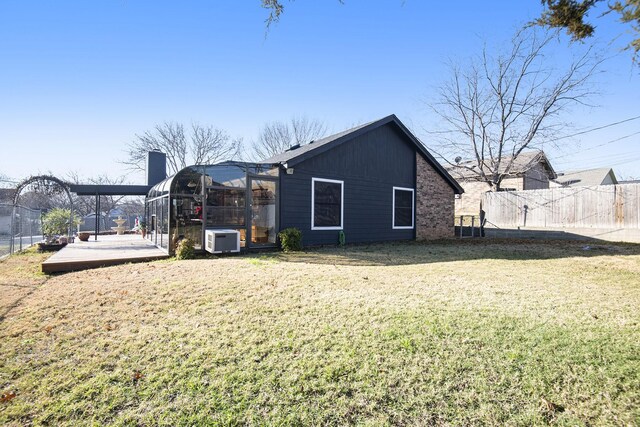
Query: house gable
530,171
370,165
588,177
300,154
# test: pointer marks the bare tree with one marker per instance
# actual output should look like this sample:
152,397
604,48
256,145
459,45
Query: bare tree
276,137
500,105
203,144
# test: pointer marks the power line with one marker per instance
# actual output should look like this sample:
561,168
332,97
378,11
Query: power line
595,129
637,159
599,145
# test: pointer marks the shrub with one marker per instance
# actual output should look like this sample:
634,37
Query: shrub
185,249
56,222
290,239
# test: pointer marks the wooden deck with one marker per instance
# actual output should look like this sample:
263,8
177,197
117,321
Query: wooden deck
107,250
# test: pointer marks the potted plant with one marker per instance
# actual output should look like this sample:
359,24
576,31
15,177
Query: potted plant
55,225
142,226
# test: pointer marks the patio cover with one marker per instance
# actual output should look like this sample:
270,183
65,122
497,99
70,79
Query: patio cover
98,190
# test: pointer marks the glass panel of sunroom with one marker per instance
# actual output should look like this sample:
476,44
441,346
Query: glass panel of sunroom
186,219
226,207
263,212
187,181
225,176
164,223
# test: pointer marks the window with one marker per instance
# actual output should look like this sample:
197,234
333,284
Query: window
402,208
327,209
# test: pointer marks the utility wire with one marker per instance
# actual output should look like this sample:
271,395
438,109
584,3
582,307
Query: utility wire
599,145
595,129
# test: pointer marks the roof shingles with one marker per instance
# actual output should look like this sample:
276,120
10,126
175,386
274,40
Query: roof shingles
299,154
521,164
292,153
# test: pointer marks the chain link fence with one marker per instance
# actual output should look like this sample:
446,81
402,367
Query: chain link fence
19,228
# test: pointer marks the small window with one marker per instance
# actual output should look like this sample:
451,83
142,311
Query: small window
402,208
326,204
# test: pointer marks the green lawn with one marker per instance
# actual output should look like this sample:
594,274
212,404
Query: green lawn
454,333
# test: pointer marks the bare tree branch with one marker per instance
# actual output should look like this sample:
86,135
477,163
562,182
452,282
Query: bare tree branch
503,104
203,145
276,8
276,137
85,205
210,145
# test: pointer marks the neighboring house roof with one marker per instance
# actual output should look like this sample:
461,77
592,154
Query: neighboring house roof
587,177
299,154
468,169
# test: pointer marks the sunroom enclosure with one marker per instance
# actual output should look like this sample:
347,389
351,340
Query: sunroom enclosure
230,195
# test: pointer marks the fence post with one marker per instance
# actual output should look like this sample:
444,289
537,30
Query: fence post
473,234
11,242
461,217
20,228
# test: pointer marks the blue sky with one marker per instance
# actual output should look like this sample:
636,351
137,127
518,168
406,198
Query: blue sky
79,79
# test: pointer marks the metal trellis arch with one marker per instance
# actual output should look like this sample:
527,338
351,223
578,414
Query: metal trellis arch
50,185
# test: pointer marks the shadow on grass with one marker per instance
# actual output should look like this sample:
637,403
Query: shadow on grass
409,253
6,310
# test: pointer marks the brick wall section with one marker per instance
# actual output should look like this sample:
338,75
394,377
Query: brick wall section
434,203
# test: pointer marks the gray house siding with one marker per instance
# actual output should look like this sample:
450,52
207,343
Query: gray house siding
370,166
536,178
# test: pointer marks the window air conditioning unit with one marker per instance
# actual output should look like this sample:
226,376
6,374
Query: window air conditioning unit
222,241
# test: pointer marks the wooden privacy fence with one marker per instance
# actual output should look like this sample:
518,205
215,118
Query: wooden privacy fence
601,207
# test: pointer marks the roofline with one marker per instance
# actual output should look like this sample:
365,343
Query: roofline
546,160
570,172
605,168
109,190
423,150
374,125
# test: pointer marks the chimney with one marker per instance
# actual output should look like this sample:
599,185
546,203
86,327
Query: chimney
156,167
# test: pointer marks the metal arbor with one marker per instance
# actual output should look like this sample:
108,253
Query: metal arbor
46,184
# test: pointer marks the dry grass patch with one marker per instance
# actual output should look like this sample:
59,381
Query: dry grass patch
446,333
20,275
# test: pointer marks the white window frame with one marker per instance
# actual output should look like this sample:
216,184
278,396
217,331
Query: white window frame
313,203
413,209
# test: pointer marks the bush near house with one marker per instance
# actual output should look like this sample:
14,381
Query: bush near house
290,239
185,249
